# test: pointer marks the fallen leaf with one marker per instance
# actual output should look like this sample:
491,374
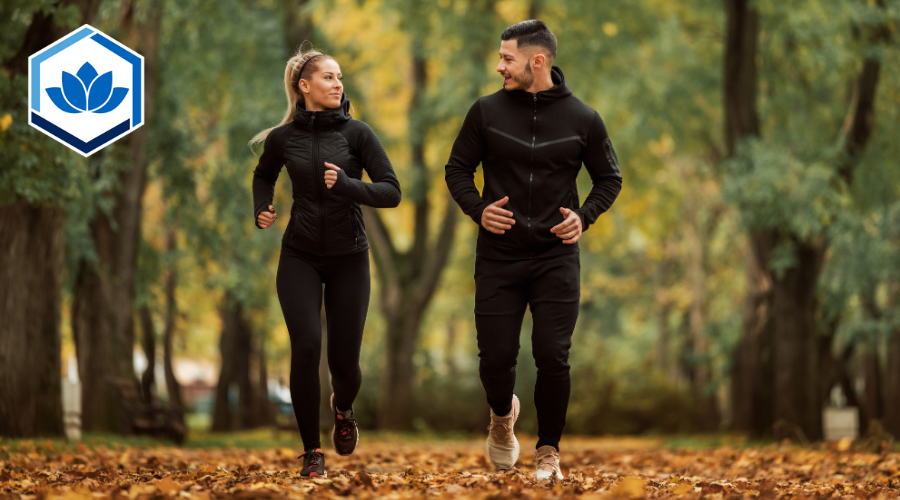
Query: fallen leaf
629,487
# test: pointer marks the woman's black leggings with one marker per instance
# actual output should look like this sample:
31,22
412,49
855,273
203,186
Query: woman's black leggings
299,284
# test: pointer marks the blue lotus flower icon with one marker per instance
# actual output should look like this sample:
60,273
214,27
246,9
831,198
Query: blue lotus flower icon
85,91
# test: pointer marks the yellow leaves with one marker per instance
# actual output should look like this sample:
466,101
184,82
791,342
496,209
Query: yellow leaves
629,487
844,444
606,468
5,122
167,485
681,488
662,148
610,29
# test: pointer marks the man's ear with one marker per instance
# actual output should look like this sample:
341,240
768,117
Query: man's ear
539,61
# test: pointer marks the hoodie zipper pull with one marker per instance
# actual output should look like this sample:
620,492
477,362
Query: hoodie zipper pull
535,96
312,121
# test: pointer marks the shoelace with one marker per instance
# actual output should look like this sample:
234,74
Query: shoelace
502,429
345,427
312,458
550,459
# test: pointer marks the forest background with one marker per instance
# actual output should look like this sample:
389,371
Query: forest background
750,267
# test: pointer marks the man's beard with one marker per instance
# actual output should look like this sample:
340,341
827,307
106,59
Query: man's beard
524,79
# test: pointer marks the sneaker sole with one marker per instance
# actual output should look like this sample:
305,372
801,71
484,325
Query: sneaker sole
315,475
517,408
334,430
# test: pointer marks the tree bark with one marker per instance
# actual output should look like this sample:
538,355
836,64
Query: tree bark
222,417
892,386
741,122
298,25
235,347
149,344
173,388
707,408
31,272
408,280
103,304
798,404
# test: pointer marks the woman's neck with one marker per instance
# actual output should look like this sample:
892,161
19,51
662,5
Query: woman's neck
314,106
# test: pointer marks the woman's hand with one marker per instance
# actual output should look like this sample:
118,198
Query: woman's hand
266,219
331,174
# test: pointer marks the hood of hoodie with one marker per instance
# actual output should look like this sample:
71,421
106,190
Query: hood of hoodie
560,89
322,120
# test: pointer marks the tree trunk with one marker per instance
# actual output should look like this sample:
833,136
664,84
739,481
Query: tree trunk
149,344
103,304
798,404
892,386
235,346
752,375
705,399
222,418
797,395
264,413
408,281
741,122
31,272
173,388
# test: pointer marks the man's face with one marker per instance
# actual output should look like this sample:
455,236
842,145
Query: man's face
515,66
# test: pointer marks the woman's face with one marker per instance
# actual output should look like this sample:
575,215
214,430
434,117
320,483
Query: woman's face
324,88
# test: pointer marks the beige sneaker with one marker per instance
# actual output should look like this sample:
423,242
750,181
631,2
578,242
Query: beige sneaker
502,446
546,461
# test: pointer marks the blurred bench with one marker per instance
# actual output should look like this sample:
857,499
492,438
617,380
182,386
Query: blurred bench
139,417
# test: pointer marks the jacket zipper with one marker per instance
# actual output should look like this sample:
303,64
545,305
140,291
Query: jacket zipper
531,174
312,123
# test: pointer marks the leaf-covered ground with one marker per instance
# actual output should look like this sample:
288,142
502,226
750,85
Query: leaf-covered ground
594,468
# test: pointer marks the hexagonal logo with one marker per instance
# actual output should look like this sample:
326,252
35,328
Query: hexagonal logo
86,90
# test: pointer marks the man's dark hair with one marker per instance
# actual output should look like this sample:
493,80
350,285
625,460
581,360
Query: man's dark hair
532,33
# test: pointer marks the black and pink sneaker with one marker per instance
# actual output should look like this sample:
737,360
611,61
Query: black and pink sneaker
313,464
345,435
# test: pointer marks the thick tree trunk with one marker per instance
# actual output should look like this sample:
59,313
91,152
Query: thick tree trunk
264,413
235,347
31,272
892,386
397,401
752,373
707,408
408,281
741,122
222,417
798,404
103,306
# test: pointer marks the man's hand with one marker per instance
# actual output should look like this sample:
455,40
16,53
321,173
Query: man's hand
570,229
496,219
331,174
266,219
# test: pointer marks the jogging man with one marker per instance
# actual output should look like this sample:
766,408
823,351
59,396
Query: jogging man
531,139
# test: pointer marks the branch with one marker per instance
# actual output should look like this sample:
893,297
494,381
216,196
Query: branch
437,258
864,117
383,250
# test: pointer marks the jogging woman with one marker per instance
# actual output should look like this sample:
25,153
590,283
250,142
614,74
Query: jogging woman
325,152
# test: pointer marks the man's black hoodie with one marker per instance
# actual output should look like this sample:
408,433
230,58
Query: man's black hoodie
531,147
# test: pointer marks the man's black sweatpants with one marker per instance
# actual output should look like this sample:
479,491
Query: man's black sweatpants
551,287
347,285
